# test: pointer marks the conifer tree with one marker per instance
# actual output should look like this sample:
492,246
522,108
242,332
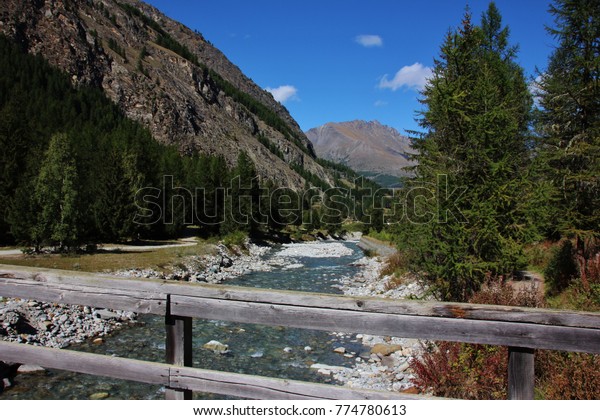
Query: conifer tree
56,194
465,219
570,120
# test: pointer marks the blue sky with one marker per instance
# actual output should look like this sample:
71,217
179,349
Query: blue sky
334,60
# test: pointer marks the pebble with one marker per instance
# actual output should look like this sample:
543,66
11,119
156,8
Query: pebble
340,350
99,396
29,369
216,346
308,349
287,349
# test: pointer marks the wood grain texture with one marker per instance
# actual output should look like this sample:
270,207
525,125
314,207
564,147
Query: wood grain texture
187,379
75,288
92,364
258,387
178,350
521,373
408,326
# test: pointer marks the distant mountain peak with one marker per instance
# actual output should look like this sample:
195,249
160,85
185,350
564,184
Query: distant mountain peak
365,146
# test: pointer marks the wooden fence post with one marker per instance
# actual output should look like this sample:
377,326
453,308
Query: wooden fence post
178,348
521,374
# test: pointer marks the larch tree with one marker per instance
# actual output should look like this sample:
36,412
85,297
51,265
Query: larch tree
465,216
569,122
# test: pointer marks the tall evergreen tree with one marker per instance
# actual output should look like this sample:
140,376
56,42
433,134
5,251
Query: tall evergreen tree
244,195
570,120
56,194
464,212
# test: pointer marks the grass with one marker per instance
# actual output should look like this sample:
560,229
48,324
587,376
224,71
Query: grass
160,259
539,255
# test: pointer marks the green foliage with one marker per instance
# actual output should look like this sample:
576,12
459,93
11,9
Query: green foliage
57,197
271,146
236,238
561,269
167,41
113,45
466,213
569,119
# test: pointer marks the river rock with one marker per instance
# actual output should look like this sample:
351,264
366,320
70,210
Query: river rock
29,369
216,346
340,350
99,396
287,349
318,366
106,314
403,367
385,349
308,349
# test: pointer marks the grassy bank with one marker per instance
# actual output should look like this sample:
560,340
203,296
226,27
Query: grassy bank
157,259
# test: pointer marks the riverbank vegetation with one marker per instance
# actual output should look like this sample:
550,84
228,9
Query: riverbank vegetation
506,179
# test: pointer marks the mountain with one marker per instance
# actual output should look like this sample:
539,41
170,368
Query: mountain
167,77
365,146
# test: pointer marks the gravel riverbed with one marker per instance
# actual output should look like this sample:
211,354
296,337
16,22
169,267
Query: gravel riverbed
384,366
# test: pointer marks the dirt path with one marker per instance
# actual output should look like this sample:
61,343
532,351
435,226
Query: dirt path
377,246
114,247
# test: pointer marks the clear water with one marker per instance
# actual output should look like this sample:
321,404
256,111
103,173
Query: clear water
254,349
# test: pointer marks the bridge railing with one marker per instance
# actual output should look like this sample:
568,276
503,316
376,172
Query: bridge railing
521,329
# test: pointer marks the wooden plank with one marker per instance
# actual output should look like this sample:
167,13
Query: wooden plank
390,306
82,289
178,351
92,364
257,387
409,326
13,278
521,373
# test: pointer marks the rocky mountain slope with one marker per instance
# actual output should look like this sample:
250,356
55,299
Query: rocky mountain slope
365,146
166,76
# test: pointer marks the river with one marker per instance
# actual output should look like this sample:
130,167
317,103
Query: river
254,349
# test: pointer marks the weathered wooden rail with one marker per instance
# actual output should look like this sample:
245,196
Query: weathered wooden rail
521,329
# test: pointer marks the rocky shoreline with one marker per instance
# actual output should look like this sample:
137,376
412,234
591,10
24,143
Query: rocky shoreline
386,366
52,325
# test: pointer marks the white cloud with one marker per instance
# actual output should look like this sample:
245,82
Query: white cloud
379,103
411,77
369,40
283,93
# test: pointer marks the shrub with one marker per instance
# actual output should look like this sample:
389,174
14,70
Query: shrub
395,264
466,371
567,376
561,269
470,371
233,239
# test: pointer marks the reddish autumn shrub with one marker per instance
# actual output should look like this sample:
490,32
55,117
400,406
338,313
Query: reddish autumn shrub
458,370
466,371
567,376
469,371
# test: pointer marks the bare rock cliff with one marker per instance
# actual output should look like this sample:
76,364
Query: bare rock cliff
165,76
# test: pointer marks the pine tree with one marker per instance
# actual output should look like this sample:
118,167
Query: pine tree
56,194
570,120
245,197
464,213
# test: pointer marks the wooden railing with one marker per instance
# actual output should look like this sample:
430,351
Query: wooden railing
521,329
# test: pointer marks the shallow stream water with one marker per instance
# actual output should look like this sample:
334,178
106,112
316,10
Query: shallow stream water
254,349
